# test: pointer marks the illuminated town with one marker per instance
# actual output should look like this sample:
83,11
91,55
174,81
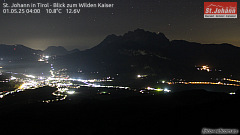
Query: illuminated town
123,84
66,85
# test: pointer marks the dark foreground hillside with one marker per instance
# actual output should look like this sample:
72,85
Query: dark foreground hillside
177,113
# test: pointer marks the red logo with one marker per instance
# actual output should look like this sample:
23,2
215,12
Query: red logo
220,9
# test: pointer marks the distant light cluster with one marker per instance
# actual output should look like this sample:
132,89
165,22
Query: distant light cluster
204,68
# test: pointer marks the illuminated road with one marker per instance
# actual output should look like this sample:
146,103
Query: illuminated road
208,83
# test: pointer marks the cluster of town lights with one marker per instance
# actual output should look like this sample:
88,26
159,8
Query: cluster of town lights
61,94
158,89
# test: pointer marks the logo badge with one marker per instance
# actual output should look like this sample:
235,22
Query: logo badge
220,9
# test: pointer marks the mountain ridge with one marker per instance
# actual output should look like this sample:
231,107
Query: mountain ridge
145,52
58,51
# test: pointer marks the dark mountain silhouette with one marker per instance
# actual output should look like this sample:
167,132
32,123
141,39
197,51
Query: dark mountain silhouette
144,52
222,56
21,52
134,50
73,51
138,52
58,50
19,58
134,40
18,52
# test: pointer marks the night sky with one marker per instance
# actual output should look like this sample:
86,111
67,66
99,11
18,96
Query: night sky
177,19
